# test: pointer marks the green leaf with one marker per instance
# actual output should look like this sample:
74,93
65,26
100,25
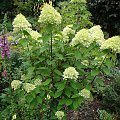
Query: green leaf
61,86
68,92
62,101
23,42
106,71
26,33
78,55
80,100
60,56
29,98
69,102
57,94
58,72
75,104
59,107
46,38
79,65
109,63
95,72
42,49
47,82
30,70
75,95
39,99
73,84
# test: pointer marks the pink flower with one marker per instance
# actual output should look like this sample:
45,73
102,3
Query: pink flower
4,46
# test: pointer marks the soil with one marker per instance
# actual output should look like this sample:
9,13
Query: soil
87,112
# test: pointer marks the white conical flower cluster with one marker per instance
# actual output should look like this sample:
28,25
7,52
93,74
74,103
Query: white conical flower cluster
28,87
49,16
96,34
70,73
15,84
85,93
112,43
88,36
34,34
59,115
67,31
82,37
20,22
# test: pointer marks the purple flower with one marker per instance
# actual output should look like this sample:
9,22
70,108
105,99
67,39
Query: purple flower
4,46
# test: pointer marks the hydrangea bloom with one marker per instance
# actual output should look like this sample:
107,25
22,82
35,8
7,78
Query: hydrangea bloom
28,87
82,37
71,73
59,115
78,1
88,36
20,22
112,43
15,84
66,32
85,62
49,16
14,117
4,46
85,93
37,82
96,34
34,34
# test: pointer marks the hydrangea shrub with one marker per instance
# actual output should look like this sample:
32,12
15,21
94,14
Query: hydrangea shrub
58,71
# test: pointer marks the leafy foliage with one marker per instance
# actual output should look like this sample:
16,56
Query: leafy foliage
44,84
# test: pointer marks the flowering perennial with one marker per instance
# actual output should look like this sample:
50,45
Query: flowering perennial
66,32
14,117
112,43
34,34
85,62
82,37
15,84
49,16
71,73
4,46
85,93
88,36
96,34
59,115
20,22
28,87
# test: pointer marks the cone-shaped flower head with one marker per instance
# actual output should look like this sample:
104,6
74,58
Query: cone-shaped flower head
59,115
4,46
15,84
88,36
112,43
82,37
20,22
28,87
85,93
49,16
96,34
70,73
34,34
67,31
